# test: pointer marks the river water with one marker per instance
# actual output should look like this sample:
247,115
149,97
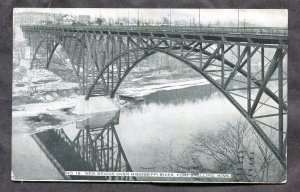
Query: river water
167,120
147,130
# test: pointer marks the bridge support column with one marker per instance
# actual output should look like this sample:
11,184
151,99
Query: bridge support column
83,67
112,66
201,54
249,80
222,66
280,105
262,63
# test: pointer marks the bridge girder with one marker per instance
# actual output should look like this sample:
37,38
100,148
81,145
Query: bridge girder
102,60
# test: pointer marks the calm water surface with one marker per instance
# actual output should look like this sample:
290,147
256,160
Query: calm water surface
146,130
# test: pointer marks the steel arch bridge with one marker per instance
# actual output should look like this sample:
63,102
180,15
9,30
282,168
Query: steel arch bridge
247,65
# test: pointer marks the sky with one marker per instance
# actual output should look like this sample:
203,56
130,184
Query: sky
259,17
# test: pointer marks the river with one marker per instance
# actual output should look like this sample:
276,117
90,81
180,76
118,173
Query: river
147,130
168,119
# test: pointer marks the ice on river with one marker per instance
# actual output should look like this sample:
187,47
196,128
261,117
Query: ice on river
148,89
81,106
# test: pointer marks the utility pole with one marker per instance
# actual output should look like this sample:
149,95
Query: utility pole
170,18
238,18
118,22
128,16
138,22
100,18
199,18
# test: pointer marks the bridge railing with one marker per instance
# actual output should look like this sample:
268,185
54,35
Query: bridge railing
273,31
197,29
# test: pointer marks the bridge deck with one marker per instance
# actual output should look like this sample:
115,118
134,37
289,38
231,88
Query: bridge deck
264,35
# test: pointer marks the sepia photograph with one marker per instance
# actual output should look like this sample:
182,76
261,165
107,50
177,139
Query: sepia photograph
150,95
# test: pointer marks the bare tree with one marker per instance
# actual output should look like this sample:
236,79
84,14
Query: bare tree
236,149
225,149
19,53
269,168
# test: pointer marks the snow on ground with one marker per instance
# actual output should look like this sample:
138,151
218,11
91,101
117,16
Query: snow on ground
37,75
159,86
41,80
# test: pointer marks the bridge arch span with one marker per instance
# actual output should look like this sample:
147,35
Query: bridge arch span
45,49
103,57
148,51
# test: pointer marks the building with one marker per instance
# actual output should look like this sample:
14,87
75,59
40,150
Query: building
85,19
67,20
35,18
28,18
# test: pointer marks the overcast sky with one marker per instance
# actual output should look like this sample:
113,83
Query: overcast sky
259,17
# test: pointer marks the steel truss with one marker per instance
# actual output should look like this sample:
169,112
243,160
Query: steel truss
251,71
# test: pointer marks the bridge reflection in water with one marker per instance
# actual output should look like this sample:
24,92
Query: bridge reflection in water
96,147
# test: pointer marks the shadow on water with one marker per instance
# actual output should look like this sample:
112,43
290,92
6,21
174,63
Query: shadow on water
179,96
95,147
173,97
